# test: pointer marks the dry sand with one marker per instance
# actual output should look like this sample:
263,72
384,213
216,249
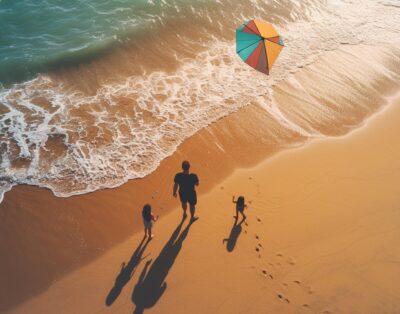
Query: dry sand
44,238
321,237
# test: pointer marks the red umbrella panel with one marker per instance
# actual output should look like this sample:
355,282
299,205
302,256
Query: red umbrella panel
258,44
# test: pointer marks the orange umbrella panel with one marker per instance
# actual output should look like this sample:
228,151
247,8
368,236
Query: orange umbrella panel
258,44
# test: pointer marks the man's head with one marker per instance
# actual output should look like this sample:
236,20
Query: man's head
185,165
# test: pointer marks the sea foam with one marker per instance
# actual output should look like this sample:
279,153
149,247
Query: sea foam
72,143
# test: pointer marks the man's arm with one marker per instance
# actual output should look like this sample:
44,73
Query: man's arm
197,181
175,189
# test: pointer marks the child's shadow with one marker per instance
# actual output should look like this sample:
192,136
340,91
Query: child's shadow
126,272
234,235
152,281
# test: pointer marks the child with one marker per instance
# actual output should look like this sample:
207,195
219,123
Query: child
148,219
240,206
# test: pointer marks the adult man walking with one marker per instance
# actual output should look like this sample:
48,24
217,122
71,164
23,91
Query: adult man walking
186,182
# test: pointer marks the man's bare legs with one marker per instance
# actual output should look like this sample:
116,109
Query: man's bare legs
192,210
184,207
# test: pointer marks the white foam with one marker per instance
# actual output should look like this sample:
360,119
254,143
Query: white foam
125,130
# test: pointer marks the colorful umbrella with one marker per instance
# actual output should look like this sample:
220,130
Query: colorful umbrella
258,44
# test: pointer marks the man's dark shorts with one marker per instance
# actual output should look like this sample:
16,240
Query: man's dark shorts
190,198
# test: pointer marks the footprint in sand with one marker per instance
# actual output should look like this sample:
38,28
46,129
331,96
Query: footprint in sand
257,237
265,273
308,289
257,249
221,187
250,178
282,297
258,219
289,260
306,305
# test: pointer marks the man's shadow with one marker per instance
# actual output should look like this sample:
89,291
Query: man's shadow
234,235
151,284
126,272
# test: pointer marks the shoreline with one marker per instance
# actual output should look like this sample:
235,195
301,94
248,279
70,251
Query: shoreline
332,121
70,232
114,229
321,230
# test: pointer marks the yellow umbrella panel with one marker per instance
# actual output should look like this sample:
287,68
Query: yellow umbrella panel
258,44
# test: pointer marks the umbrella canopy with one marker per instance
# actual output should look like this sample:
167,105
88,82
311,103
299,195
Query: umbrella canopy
258,44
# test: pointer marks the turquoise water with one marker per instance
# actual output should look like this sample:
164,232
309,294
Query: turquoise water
41,35
169,69
37,35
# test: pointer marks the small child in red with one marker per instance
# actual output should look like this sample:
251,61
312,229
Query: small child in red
148,219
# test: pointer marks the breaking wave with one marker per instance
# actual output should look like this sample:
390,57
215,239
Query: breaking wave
96,125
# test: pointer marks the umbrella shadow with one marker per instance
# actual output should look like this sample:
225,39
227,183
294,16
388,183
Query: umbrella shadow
234,235
126,272
151,284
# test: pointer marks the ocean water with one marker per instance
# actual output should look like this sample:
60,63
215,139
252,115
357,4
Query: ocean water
94,93
42,35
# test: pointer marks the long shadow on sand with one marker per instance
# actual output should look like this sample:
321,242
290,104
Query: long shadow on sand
151,284
126,272
234,235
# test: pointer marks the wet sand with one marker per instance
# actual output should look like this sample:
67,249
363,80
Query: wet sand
43,238
321,236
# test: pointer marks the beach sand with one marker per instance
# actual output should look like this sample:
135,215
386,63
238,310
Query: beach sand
43,237
321,235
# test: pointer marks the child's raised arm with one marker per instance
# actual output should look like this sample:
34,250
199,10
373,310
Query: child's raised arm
233,199
154,217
